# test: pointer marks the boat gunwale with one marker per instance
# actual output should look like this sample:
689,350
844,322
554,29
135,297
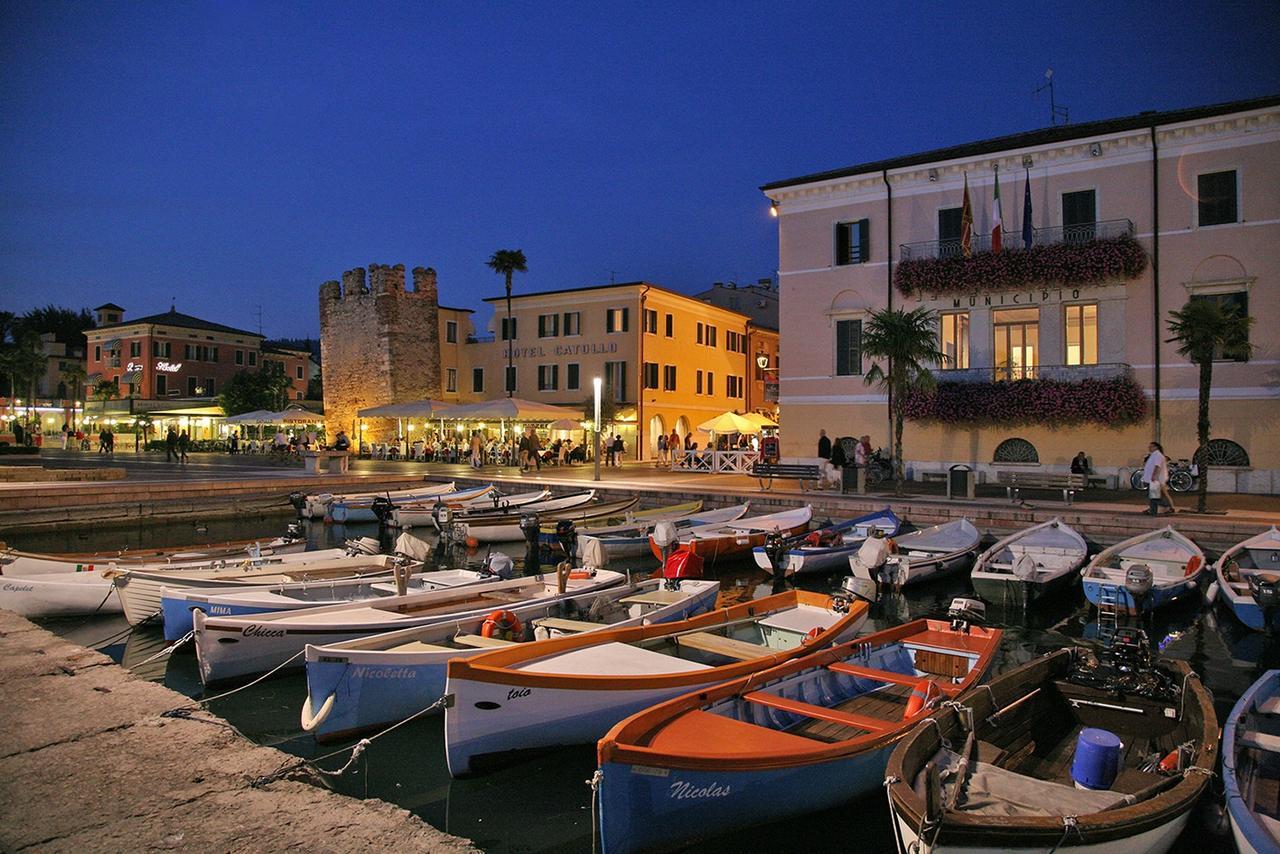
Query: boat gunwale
989,555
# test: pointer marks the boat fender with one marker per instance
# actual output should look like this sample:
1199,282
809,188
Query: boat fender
1211,594
892,544
582,573
501,624
1193,565
810,636
925,694
310,721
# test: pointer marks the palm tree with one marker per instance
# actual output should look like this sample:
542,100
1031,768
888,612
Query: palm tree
907,342
74,375
1204,330
506,262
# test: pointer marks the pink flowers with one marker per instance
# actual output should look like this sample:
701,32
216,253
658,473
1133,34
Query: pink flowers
1111,402
1087,263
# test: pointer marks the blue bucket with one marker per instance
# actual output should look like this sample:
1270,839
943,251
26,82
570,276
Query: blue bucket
1097,759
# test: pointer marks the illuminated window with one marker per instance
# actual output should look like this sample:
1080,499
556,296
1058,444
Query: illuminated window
572,323
1082,334
548,377
953,335
451,379
1017,334
615,320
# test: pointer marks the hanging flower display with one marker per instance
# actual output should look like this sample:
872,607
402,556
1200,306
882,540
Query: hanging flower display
1116,402
1087,263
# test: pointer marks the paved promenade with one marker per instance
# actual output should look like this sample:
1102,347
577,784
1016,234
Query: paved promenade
87,763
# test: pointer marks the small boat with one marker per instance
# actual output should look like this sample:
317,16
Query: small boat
315,505
1031,564
58,594
1104,755
423,513
1251,767
228,647
1249,580
829,549
804,735
366,508
140,588
619,537
570,690
1144,572
633,541
505,527
244,598
924,554
730,540
360,684
16,562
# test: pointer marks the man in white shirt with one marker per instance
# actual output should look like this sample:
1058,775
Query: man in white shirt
1155,474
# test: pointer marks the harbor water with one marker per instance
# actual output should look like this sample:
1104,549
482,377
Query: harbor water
542,803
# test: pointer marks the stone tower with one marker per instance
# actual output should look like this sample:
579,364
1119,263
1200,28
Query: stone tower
379,343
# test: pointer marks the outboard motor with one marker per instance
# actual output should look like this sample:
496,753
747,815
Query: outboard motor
594,554
567,537
1266,592
293,532
442,515
853,587
529,526
1138,579
363,546
665,537
681,564
965,612
499,565
298,500
775,548
382,508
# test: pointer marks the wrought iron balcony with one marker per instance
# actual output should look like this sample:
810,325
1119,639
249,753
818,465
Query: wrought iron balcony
1062,373
1071,234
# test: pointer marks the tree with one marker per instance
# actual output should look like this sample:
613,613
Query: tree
249,390
505,262
66,324
907,342
104,390
1204,330
74,376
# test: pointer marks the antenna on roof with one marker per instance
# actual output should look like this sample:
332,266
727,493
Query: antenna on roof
613,276
259,307
1056,111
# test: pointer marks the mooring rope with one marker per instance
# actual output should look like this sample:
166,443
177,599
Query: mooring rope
167,650
196,704
594,783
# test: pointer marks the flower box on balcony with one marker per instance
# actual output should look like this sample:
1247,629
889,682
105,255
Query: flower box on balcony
1083,262
1115,402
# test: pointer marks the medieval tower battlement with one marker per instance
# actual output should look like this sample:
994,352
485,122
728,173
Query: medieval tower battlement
379,342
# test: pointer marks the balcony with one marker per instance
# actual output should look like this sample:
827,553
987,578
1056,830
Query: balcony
481,339
1062,234
1059,373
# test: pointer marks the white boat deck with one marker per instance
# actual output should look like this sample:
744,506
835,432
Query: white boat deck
612,659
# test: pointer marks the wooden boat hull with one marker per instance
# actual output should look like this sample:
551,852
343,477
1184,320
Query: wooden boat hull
727,547
316,505
373,687
1154,841
816,560
1159,597
1177,565
507,528
65,594
1260,554
1003,589
1251,832
30,563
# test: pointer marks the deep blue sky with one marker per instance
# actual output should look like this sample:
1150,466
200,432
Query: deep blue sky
231,155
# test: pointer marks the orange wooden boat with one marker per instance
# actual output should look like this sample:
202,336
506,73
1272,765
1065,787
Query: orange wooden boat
737,539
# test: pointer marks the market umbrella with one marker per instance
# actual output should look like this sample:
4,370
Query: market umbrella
257,416
408,409
565,424
729,422
760,420
509,409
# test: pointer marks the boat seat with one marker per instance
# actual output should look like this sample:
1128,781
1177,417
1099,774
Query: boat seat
481,641
419,646
718,645
888,676
809,710
566,625
504,596
698,732
1259,741
1270,706
655,597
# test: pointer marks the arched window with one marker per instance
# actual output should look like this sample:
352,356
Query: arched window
1222,452
1015,451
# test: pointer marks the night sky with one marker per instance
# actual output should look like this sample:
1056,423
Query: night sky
235,155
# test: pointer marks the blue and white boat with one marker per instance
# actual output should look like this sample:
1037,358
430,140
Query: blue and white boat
1144,572
359,508
631,539
829,549
1249,580
361,684
1251,766
806,735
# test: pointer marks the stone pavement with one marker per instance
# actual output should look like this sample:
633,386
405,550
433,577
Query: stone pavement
87,763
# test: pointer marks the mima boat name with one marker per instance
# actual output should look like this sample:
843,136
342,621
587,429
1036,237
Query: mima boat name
681,791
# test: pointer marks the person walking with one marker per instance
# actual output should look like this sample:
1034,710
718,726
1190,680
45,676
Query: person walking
523,449
662,451
535,449
1155,474
184,442
234,442
477,450
862,451
824,445
618,449
66,433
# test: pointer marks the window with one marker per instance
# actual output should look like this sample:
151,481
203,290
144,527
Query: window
477,380
571,376
950,231
1222,452
671,326
668,377
615,380
1236,301
213,354
160,349
548,377
616,320
97,354
953,340
572,323
733,386
509,328
299,395
848,348
1079,213
1216,198
700,333
1017,333
698,387
253,357
711,335
511,378
1082,334
711,383
192,382
650,321
651,374
298,371
853,245
451,332
162,385
188,352
239,359
548,325
450,379
209,387
1015,451
135,348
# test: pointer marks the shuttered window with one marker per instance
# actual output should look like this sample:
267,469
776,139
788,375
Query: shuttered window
848,348
853,244
1217,201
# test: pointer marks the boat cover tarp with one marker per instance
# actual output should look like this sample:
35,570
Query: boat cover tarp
991,790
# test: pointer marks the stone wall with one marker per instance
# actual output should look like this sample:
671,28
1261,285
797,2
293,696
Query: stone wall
379,343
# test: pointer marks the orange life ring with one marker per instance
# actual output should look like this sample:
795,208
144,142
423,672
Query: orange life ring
924,694
893,547
1193,565
501,624
810,636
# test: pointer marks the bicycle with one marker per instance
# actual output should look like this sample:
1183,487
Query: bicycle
1184,476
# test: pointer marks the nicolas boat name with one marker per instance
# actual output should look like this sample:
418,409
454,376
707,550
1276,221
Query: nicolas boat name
681,791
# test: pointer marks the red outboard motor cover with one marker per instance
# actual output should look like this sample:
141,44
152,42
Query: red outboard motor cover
682,564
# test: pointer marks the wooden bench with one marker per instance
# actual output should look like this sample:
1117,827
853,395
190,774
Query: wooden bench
481,642
767,472
333,462
820,713
566,625
933,477
1015,481
717,645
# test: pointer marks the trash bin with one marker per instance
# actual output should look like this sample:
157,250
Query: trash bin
960,482
849,479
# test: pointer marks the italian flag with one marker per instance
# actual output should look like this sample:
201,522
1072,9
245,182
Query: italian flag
996,221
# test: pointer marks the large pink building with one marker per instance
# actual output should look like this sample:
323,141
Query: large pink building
1130,219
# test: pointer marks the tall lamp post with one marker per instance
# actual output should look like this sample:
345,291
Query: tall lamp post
596,424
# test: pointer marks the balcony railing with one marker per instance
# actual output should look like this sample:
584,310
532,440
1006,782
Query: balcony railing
1062,373
1082,233
481,339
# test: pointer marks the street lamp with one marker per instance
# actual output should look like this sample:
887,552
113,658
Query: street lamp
596,382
